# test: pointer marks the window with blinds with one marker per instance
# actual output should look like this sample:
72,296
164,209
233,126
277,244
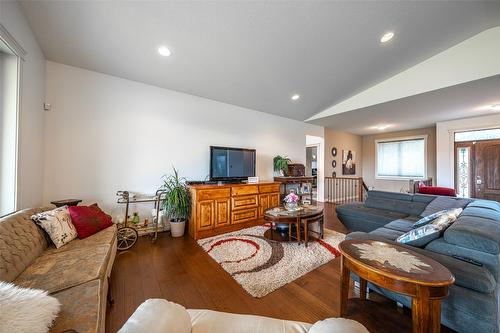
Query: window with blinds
401,158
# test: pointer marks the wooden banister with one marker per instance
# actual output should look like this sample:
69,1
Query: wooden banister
341,190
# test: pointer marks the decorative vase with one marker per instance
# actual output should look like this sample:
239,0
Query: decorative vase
282,173
177,227
291,206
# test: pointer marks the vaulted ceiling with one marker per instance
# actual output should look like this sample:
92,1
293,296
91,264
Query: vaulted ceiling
256,54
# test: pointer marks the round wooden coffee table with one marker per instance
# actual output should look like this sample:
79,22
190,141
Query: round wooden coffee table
279,215
401,270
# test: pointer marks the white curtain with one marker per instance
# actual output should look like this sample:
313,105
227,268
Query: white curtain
405,158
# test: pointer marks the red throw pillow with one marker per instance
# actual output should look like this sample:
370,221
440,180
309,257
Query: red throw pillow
89,220
437,190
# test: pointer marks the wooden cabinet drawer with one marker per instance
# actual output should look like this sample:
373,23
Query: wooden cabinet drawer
244,190
269,188
213,194
243,202
241,216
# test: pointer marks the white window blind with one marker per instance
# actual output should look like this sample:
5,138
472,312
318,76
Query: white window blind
401,158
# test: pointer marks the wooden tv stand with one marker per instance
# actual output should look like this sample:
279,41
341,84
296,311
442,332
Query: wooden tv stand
217,209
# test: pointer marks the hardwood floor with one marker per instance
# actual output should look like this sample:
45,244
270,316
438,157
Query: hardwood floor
180,271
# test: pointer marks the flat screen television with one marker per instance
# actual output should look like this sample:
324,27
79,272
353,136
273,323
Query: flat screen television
228,164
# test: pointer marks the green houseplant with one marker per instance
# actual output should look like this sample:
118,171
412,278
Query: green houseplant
280,164
177,202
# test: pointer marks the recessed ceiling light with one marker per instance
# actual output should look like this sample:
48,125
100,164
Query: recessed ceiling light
387,37
164,51
495,107
381,127
295,97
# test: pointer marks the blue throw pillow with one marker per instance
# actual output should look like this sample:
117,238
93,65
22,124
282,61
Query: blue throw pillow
426,219
420,237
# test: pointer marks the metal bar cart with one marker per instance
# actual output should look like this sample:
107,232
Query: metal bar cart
127,234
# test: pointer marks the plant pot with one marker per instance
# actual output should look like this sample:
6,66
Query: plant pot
177,227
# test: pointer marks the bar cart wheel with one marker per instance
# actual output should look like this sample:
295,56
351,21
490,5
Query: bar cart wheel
126,238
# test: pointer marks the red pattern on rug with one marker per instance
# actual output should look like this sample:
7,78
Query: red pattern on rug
330,248
227,240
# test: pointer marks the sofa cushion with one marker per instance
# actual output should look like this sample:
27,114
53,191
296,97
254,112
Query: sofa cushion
57,271
103,237
388,234
444,203
490,261
158,316
395,202
332,325
81,308
488,204
466,274
21,241
381,216
208,321
482,212
403,225
475,233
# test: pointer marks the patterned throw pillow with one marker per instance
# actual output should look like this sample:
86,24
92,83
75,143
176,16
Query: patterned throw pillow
423,235
426,219
447,219
57,224
451,214
420,237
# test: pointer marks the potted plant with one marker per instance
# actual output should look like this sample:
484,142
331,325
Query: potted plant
280,164
177,203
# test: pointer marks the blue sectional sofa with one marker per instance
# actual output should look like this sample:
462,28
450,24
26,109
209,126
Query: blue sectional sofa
469,248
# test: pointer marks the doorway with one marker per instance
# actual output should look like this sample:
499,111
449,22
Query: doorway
477,164
315,164
312,168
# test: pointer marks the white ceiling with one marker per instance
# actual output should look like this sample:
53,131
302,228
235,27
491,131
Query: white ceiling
465,100
256,54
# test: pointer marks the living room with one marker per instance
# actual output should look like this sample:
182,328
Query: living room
350,123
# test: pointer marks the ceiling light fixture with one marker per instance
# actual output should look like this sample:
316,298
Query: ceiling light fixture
387,37
295,97
495,107
164,51
381,127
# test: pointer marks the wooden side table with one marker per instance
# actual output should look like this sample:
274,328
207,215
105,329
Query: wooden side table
401,270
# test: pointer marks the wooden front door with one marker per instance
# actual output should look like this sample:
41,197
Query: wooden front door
487,170
477,169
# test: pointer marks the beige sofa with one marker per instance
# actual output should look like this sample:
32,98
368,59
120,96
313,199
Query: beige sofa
76,274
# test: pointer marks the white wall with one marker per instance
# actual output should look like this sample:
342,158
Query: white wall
105,134
32,94
445,139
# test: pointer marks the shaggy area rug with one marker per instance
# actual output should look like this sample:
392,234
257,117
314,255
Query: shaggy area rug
261,266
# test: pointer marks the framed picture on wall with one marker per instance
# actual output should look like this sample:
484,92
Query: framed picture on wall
348,162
